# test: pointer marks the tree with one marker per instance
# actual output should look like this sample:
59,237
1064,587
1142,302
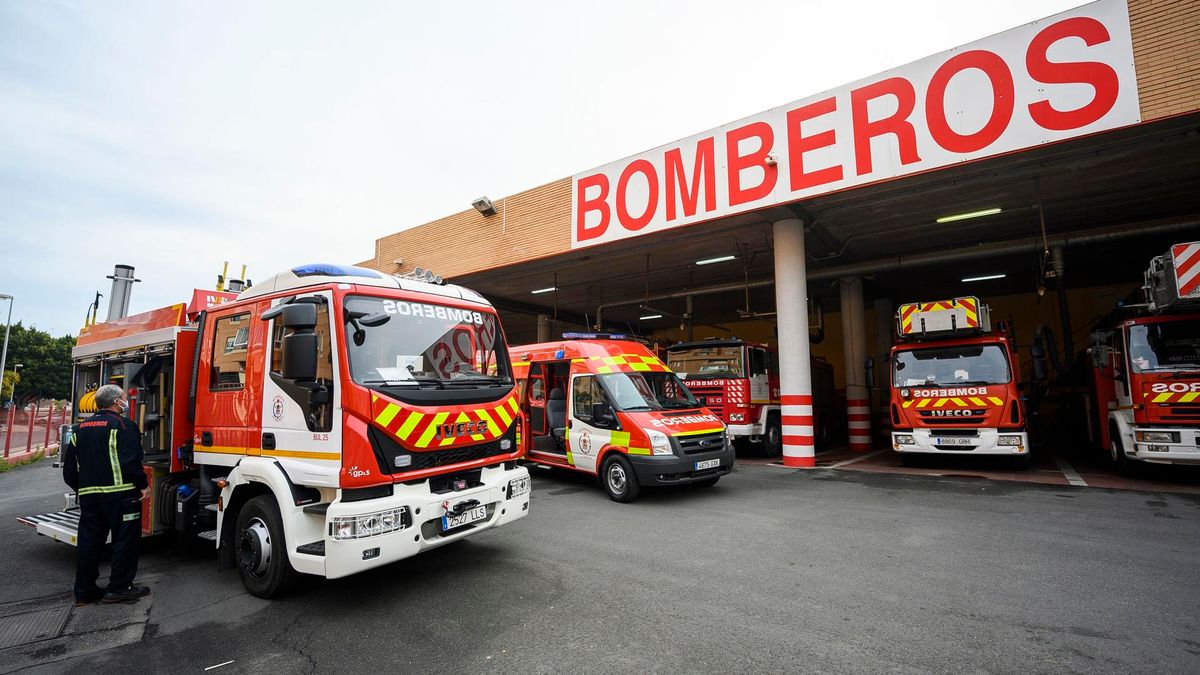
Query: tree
11,377
46,363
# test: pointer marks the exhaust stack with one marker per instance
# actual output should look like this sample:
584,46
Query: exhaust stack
118,298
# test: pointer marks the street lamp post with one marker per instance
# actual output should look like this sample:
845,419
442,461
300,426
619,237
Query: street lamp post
7,324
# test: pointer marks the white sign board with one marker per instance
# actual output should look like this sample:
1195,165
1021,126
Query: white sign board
1066,76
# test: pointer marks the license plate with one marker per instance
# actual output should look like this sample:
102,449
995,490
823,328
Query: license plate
954,440
465,518
708,464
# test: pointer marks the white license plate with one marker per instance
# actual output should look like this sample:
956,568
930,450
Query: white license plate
708,464
955,440
466,518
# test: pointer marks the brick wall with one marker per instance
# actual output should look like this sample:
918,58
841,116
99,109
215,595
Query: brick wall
1166,54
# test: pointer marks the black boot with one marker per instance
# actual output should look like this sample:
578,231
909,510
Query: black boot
127,595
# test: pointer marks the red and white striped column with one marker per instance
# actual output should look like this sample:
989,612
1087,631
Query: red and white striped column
795,365
854,346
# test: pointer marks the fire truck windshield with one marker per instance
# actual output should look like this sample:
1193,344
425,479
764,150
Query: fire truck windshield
1166,346
951,366
710,362
647,391
419,344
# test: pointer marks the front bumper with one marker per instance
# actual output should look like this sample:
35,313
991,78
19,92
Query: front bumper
1186,451
344,557
740,430
986,443
681,470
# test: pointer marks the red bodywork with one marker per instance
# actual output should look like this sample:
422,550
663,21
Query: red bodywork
993,406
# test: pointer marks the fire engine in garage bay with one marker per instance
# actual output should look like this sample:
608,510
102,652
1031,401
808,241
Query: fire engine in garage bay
1146,369
330,420
739,382
605,405
954,383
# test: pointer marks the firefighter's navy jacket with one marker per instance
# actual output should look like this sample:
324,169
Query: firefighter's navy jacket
104,458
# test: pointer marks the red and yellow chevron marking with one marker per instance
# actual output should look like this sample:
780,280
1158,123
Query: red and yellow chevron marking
625,363
969,305
955,402
1172,397
421,429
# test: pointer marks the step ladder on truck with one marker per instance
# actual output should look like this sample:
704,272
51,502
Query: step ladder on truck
955,388
327,421
1146,369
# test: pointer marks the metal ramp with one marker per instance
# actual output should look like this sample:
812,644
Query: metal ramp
60,525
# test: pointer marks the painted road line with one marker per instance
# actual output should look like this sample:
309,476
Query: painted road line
1069,472
848,462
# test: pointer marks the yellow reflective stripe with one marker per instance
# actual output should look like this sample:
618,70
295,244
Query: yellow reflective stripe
620,438
504,416
604,370
423,441
1188,398
514,405
570,459
462,417
410,423
389,413
482,414
641,367
104,489
699,431
304,454
114,458
907,404
977,401
995,401
131,516
1161,397
940,402
923,402
639,451
958,402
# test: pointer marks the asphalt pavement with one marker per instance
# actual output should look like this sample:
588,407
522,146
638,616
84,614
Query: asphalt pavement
772,570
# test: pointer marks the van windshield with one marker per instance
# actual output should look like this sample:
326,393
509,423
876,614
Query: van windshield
950,366
647,391
1166,346
420,344
706,362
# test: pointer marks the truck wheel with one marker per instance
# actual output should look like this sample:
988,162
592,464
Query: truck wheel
1125,466
707,482
773,437
261,551
620,482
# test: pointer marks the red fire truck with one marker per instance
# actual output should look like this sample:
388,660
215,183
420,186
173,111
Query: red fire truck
954,383
739,382
329,420
1146,369
605,405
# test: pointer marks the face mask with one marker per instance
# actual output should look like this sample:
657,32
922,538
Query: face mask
123,406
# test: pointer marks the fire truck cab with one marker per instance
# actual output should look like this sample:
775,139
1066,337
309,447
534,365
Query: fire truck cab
739,382
327,421
1146,369
605,405
954,383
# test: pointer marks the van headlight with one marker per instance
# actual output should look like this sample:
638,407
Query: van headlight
660,443
368,524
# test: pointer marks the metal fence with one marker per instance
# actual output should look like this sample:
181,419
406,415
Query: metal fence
33,428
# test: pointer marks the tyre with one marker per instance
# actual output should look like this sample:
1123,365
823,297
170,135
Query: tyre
619,480
707,482
1125,466
261,550
772,437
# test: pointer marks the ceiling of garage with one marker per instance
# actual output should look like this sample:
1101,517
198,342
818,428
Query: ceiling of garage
1122,179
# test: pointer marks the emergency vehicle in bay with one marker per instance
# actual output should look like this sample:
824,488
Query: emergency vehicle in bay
739,382
1146,369
605,405
327,421
954,383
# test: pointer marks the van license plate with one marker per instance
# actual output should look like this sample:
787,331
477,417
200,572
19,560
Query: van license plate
708,464
466,518
955,440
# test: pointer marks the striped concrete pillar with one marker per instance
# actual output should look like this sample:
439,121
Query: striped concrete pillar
795,366
854,345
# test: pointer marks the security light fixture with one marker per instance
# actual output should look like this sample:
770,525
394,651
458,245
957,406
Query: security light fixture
539,291
986,277
964,216
709,261
484,206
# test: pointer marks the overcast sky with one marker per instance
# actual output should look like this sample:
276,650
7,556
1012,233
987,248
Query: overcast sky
174,135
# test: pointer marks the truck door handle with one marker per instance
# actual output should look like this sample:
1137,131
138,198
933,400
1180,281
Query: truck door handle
268,441
206,438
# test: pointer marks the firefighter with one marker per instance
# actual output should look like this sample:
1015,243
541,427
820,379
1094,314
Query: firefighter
103,464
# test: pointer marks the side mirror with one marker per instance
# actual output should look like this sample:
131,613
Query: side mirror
602,414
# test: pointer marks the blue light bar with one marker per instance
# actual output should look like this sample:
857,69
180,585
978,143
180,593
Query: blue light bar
596,336
328,270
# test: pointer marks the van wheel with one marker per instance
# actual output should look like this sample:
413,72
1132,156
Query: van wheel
620,482
773,437
261,551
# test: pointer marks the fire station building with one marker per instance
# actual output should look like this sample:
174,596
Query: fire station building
1039,169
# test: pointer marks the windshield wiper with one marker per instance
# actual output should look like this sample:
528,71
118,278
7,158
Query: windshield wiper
415,379
975,383
637,408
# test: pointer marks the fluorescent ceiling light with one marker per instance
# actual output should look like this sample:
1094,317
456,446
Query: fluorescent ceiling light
650,316
544,290
964,216
709,261
985,278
